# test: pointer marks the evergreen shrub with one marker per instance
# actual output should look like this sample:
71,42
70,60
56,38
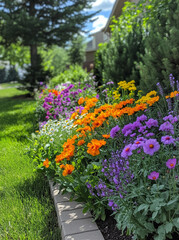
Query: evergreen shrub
74,74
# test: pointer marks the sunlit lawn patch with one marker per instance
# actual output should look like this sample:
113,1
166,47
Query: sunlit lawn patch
27,211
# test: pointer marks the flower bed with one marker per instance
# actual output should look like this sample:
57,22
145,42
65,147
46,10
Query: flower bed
116,151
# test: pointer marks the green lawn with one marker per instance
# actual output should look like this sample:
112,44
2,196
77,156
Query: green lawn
26,208
9,85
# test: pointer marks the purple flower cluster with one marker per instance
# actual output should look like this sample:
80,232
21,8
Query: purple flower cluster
141,125
117,172
140,128
100,190
62,103
114,131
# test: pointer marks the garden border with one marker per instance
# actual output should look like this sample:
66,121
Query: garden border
74,224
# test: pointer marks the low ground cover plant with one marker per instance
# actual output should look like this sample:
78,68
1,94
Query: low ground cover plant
118,150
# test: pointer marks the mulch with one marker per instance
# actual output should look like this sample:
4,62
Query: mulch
109,230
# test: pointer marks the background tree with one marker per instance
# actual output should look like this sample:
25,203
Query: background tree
15,54
161,56
36,22
55,59
77,50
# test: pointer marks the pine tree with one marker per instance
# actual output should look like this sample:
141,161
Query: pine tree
116,62
162,47
33,22
77,50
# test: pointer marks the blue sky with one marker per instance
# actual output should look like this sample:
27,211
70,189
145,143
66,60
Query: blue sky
101,18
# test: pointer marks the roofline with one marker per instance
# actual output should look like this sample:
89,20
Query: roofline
112,12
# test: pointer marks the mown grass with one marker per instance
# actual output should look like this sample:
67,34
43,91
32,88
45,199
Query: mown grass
10,85
26,208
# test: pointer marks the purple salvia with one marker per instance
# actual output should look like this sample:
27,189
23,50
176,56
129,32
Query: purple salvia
169,104
172,81
177,82
160,89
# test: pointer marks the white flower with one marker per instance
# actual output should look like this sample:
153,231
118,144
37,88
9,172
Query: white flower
51,140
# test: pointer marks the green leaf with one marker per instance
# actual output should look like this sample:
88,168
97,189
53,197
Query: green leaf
154,214
168,227
142,207
176,222
172,201
161,232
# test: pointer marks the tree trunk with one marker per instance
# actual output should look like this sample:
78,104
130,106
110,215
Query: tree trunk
33,46
33,55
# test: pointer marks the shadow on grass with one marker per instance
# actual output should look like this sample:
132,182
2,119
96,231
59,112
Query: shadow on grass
15,120
38,188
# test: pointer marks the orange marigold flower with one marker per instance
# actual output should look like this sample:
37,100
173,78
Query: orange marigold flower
94,145
68,143
106,136
62,166
60,157
78,122
172,94
97,123
153,100
46,163
74,115
55,92
81,101
74,137
68,170
81,142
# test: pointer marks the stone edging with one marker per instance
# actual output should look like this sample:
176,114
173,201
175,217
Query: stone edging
74,224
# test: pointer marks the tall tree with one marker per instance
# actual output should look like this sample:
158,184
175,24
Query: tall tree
77,50
33,22
161,56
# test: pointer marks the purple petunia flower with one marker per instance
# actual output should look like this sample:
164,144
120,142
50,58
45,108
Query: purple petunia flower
150,134
171,163
108,83
127,151
127,129
142,129
114,130
167,139
142,118
153,176
151,146
152,123
133,135
167,127
137,143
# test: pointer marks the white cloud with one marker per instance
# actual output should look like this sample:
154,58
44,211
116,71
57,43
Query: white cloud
104,5
99,23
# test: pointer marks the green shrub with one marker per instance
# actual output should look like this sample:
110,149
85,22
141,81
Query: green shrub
116,60
74,74
162,46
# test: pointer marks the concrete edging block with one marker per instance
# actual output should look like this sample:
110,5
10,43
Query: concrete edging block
74,224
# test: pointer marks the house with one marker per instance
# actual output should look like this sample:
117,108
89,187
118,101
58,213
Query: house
103,35
92,46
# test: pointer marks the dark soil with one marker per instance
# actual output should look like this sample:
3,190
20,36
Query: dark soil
109,230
